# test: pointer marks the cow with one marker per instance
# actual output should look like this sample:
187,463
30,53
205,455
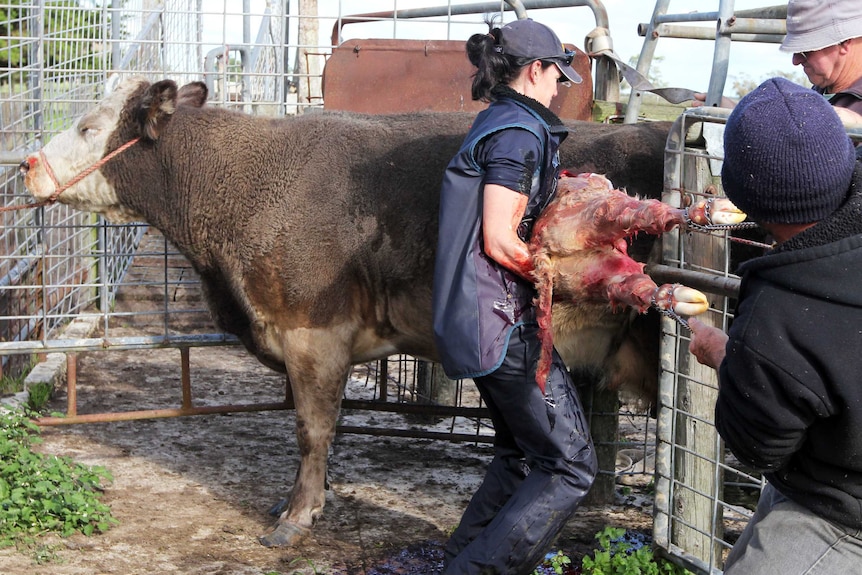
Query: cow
313,236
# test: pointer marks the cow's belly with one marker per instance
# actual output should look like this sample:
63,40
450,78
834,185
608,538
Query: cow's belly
373,330
359,344
369,346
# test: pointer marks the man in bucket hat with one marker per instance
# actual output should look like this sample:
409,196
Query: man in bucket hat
789,401
825,38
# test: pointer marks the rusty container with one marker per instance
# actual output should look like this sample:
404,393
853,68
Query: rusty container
384,76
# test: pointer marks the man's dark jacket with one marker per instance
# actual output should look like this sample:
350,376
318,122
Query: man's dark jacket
790,398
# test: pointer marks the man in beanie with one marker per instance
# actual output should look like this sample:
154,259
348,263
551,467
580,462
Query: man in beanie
790,390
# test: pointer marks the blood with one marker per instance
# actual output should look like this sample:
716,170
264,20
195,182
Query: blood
579,248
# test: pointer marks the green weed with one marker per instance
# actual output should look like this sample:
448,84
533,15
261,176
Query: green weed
42,494
308,562
622,554
39,394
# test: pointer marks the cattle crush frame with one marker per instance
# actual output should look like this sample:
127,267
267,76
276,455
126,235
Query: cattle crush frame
71,283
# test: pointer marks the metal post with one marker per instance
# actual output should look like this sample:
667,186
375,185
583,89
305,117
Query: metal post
71,384
186,378
645,61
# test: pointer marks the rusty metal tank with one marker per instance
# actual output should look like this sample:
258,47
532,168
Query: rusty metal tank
383,76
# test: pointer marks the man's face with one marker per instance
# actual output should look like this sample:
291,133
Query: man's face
825,67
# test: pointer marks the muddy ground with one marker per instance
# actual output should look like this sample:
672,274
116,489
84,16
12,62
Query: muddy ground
192,494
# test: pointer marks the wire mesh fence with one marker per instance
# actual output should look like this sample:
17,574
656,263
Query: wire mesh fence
704,496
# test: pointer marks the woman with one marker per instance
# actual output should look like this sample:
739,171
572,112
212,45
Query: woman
494,188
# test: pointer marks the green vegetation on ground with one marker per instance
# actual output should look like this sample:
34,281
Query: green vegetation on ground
41,494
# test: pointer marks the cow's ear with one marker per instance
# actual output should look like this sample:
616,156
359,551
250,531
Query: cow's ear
156,107
193,94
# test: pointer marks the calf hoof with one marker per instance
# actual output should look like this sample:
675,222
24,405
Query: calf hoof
283,535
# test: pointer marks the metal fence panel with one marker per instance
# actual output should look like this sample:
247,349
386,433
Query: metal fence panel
704,497
696,516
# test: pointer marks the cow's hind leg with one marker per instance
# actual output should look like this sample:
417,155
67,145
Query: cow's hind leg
317,366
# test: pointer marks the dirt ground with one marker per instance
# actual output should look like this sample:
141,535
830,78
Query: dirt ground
192,494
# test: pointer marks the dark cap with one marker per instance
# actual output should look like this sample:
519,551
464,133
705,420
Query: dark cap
787,156
528,39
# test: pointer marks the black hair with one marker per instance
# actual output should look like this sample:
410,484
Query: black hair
492,66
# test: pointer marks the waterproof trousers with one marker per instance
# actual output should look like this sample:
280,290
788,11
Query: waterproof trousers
785,538
544,464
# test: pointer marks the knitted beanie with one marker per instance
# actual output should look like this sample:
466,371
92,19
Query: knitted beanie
787,157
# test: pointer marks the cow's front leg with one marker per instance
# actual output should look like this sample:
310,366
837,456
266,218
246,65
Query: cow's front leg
317,366
640,292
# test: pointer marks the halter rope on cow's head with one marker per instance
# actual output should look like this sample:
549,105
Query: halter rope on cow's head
24,167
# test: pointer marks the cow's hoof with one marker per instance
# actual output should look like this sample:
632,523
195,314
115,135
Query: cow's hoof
283,535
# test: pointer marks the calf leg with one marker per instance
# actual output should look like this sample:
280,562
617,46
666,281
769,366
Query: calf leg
318,362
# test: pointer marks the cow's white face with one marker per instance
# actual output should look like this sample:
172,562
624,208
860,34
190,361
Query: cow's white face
73,151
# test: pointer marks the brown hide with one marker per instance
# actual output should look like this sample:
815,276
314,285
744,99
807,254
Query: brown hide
314,236
359,217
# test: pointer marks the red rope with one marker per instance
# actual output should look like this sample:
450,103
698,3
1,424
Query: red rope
60,189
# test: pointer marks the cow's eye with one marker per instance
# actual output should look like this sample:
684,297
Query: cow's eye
88,130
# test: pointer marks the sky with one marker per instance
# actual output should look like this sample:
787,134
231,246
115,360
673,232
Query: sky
681,62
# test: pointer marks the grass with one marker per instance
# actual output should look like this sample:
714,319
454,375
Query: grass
9,385
39,394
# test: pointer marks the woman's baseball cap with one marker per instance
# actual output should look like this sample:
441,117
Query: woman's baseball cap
527,38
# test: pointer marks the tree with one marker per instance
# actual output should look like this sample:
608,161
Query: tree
743,84
71,34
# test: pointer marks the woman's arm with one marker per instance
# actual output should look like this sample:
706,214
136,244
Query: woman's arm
502,211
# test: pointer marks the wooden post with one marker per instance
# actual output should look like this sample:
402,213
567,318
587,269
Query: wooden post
307,68
696,441
432,385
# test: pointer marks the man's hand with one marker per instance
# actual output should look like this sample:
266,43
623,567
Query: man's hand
700,100
707,343
847,115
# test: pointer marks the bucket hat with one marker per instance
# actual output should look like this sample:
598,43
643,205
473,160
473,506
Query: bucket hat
816,24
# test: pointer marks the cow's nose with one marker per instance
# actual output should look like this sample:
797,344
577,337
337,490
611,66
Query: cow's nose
24,167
